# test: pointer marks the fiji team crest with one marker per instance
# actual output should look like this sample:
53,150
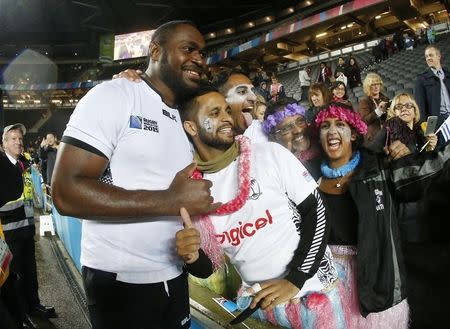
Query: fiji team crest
255,190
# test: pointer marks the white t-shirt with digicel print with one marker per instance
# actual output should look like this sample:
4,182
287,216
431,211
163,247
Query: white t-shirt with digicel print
262,236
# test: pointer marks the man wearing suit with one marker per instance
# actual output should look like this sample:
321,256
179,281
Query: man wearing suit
11,177
432,88
17,220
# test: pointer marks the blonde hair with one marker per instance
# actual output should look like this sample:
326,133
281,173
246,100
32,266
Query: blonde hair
260,100
396,100
370,79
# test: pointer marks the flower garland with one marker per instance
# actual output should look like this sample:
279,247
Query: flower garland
274,119
203,223
343,170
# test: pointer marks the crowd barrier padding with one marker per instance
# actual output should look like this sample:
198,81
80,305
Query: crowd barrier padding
69,231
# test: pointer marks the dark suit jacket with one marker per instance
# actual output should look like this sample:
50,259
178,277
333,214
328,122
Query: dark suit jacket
428,92
10,180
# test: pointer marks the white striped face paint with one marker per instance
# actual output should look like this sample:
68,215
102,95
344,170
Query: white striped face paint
336,139
207,124
240,94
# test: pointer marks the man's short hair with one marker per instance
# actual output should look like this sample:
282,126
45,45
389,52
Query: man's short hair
222,78
434,47
164,31
188,109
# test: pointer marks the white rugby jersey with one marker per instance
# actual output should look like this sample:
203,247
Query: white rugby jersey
146,146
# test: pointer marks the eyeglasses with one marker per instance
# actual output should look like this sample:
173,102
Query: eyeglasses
399,106
375,84
299,122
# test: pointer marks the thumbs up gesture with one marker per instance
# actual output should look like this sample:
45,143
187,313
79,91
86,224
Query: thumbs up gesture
187,241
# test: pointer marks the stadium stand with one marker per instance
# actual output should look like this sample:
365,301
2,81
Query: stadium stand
398,71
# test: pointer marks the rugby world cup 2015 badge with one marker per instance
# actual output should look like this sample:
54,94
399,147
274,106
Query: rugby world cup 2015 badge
379,199
138,122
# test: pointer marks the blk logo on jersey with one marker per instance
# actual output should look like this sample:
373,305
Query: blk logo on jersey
169,115
247,230
138,122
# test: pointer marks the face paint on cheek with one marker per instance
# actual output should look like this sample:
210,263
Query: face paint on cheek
233,98
345,132
208,125
323,134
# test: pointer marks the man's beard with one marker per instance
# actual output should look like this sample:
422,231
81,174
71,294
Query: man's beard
175,82
214,142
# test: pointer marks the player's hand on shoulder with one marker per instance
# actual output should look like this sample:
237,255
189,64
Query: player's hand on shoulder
129,74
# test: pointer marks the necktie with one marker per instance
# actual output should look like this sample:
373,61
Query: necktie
19,165
445,97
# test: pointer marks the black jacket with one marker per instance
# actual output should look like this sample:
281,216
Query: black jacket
10,180
377,188
380,266
427,92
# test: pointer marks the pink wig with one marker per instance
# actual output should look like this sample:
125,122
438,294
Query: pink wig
349,116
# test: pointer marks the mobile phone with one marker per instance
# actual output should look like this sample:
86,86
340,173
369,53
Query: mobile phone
431,125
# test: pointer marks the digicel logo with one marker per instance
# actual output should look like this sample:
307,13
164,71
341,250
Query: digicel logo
236,234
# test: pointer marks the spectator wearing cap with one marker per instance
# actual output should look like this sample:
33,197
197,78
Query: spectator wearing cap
10,177
17,219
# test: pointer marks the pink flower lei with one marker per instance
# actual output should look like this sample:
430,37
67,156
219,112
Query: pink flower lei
209,242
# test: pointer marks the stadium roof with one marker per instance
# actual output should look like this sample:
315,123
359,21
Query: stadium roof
70,29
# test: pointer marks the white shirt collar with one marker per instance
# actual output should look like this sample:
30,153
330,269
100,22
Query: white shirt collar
435,71
14,161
